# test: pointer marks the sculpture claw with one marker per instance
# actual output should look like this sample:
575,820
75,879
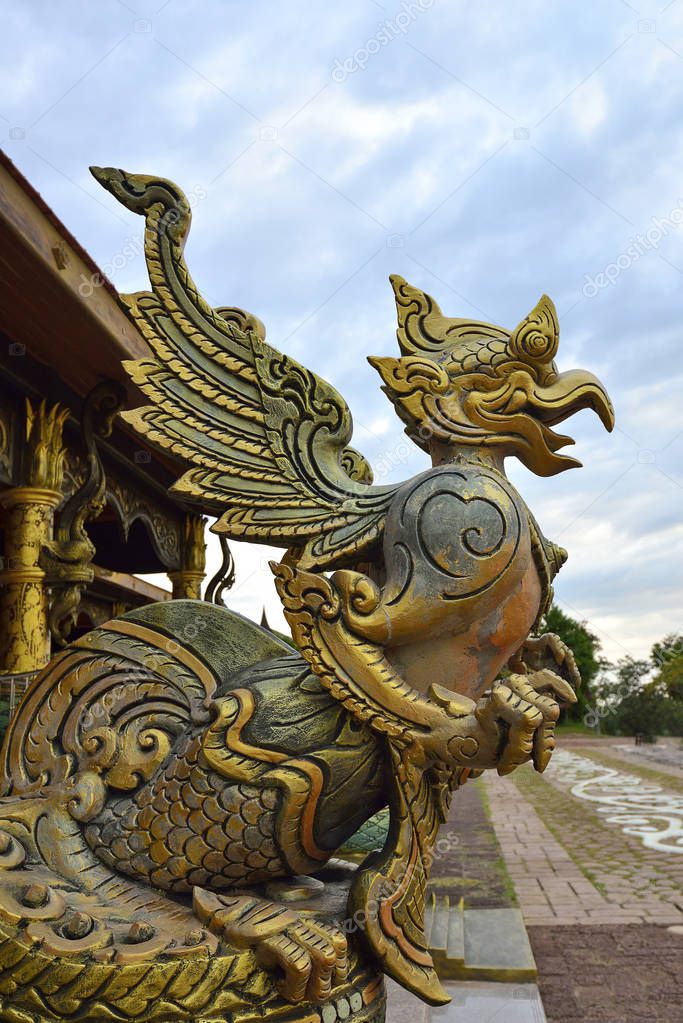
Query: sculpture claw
311,959
521,704
311,955
551,653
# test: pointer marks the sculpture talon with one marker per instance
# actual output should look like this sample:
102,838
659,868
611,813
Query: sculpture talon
165,769
310,954
548,650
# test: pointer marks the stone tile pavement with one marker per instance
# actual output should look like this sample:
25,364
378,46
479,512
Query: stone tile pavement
569,866
609,974
468,863
658,763
664,757
604,911
598,902
550,888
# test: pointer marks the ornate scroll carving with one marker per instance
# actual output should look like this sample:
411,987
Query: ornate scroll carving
165,528
163,520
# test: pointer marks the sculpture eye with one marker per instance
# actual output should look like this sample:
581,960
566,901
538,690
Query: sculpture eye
537,336
536,343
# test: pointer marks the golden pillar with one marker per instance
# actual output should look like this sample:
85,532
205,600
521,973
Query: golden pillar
187,580
28,520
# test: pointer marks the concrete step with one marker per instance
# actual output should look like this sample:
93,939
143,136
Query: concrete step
497,946
455,950
445,933
486,1002
471,1002
478,944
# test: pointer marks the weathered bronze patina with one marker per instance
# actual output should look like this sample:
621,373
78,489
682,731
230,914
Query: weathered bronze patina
169,774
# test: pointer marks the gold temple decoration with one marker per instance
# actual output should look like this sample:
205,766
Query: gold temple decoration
224,578
187,580
191,762
67,557
29,512
43,451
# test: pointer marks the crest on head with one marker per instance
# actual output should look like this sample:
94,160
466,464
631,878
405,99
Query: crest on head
462,382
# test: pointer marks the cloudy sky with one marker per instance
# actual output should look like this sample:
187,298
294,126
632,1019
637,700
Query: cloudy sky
488,152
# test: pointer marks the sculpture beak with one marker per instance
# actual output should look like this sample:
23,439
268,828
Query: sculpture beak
566,393
530,408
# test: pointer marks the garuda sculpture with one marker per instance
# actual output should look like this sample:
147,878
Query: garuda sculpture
170,773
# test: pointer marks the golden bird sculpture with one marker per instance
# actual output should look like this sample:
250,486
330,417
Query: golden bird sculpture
172,774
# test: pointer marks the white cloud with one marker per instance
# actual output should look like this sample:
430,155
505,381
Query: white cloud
589,107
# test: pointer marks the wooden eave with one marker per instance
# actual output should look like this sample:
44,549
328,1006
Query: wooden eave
82,337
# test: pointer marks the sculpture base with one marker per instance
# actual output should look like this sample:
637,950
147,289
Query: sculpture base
121,952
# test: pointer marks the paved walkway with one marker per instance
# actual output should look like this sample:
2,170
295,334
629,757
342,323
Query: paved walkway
664,757
468,862
550,887
589,852
571,865
594,850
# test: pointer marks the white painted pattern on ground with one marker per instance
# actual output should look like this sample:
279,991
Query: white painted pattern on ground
639,807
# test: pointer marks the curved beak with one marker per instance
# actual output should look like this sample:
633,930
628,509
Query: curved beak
567,393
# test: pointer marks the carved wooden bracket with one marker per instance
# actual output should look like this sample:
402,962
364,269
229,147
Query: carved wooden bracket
224,578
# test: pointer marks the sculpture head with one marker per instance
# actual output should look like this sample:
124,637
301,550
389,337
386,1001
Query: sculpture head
460,382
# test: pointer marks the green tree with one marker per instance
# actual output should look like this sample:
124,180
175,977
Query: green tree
631,704
585,646
666,650
667,660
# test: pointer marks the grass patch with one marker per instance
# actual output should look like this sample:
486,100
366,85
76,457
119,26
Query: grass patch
508,884
575,728
501,866
4,718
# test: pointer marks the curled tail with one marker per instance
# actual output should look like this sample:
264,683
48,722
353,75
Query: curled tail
116,700
78,938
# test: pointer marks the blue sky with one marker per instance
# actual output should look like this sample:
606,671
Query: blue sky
487,152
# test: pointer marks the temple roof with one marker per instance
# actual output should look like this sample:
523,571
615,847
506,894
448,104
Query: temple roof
83,334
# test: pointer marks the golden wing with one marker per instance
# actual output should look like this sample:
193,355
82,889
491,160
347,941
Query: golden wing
266,438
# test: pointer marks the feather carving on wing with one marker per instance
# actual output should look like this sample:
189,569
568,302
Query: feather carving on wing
266,438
